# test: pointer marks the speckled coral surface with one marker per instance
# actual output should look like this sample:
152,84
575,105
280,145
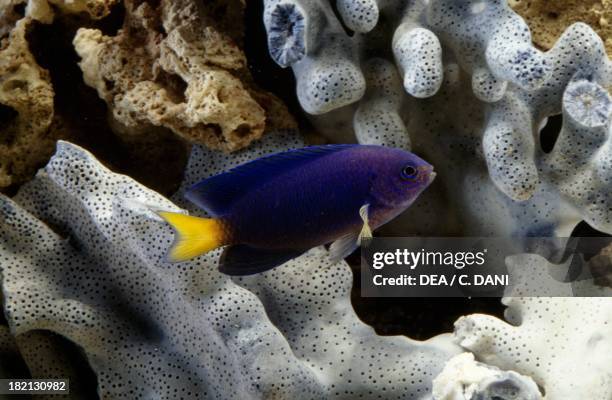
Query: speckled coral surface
563,343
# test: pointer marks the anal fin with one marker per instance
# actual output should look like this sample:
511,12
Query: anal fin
242,259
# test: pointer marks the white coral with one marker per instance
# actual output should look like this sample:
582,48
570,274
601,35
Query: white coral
463,378
563,343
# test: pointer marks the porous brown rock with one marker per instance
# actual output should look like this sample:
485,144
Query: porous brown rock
29,126
171,66
174,71
96,9
548,19
26,109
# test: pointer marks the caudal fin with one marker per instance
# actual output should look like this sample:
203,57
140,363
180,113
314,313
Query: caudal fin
193,235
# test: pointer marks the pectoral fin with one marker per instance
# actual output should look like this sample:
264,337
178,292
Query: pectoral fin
347,244
366,231
343,247
241,259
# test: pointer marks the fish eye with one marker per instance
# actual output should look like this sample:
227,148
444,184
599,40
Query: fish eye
409,172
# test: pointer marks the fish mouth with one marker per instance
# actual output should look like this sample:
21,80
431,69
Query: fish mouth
428,174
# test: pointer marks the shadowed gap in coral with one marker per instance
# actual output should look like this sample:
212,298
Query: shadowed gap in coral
266,73
417,318
550,133
55,352
334,7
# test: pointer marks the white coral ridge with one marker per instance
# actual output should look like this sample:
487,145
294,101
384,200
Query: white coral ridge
83,255
463,378
564,343
465,88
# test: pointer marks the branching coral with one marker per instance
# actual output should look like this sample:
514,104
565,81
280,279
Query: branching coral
476,94
96,273
170,67
488,40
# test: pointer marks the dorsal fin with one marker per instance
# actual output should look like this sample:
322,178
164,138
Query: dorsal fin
217,193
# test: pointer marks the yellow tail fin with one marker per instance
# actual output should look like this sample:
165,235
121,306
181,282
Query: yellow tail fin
194,235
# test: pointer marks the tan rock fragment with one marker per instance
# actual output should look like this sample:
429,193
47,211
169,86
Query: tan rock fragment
95,8
26,109
9,15
174,67
548,19
27,128
169,67
44,10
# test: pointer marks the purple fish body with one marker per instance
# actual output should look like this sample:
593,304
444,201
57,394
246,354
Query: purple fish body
279,206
